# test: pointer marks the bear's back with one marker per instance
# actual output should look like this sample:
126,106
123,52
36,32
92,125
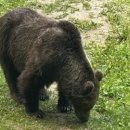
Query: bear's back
27,25
26,28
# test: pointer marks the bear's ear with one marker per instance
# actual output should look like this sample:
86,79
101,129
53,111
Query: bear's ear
88,88
99,75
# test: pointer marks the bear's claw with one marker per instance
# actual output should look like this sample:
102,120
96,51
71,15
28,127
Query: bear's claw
43,97
64,108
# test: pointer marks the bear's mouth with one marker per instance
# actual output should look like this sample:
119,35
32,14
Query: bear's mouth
82,116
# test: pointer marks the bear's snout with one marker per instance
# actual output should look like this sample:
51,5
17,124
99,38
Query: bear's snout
82,116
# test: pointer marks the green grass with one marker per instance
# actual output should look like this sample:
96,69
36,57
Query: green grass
8,5
84,25
86,5
112,111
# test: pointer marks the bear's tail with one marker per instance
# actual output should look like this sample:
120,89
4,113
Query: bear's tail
6,25
72,32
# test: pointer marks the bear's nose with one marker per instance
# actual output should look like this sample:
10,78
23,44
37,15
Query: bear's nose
83,117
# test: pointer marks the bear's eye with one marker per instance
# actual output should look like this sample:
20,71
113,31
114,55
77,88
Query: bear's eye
88,88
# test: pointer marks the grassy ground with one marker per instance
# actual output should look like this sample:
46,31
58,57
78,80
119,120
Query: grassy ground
112,112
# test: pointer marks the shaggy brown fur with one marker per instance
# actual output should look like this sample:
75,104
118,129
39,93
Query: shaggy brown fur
36,51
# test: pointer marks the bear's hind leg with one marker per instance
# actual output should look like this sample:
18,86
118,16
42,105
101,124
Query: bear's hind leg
11,77
43,94
63,104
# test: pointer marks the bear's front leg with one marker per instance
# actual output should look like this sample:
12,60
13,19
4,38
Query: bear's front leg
63,104
28,84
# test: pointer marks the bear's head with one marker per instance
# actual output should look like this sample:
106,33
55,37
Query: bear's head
87,98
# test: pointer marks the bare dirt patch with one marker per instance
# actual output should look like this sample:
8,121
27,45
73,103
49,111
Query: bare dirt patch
97,35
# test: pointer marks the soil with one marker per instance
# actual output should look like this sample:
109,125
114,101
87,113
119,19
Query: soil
97,35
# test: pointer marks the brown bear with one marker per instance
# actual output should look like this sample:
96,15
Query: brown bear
36,51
